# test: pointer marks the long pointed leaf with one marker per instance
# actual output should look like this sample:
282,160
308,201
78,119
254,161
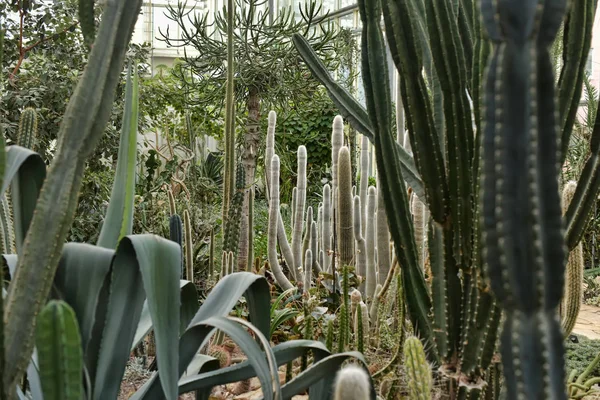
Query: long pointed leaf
119,215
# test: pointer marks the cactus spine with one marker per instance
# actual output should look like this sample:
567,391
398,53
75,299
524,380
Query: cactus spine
361,246
352,383
370,239
573,295
345,239
189,264
274,216
28,128
417,370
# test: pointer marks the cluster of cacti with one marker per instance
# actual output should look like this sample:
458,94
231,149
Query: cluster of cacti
486,145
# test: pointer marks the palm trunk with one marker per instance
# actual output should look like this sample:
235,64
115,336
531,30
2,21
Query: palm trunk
251,143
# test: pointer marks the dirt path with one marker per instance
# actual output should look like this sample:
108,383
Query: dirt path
588,322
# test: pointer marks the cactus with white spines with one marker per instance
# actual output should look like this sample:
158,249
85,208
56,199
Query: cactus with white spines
364,180
371,283
306,239
360,260
326,228
337,141
298,226
314,243
420,225
345,234
352,383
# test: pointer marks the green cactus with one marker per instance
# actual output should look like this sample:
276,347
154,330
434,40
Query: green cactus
60,355
229,174
172,207
232,224
28,129
326,229
189,247
211,254
308,259
345,315
337,141
250,226
364,180
307,233
6,222
361,326
329,337
352,383
384,260
573,295
417,370
344,220
176,234
374,310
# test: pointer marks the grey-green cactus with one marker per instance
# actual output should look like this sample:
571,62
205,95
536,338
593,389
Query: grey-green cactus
361,246
172,207
306,240
329,336
326,229
420,224
364,180
352,383
384,260
345,234
314,243
274,216
370,239
361,326
308,259
176,235
298,226
337,141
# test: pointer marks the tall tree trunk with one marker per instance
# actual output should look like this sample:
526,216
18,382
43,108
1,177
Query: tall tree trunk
251,143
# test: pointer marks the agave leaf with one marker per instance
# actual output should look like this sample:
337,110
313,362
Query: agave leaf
119,216
59,352
219,302
26,170
202,363
189,307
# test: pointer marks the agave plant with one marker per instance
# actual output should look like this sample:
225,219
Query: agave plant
442,51
108,297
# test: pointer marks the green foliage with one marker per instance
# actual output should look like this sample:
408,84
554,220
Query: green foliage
579,355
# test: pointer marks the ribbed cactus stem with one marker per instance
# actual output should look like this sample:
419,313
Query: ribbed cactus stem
417,370
352,383
314,244
274,216
230,259
286,250
371,283
176,235
373,311
419,223
224,264
319,231
8,230
306,240
308,259
28,127
364,180
337,141
361,246
345,234
298,226
329,337
361,326
384,260
573,295
189,264
293,206
172,208
326,229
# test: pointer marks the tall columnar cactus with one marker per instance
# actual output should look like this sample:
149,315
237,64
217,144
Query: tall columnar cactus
298,226
211,254
384,260
361,326
306,240
314,243
337,141
417,370
345,235
364,179
172,207
189,247
326,228
28,129
522,221
308,259
370,239
176,234
274,215
352,383
7,226
361,246
573,294
286,250
232,224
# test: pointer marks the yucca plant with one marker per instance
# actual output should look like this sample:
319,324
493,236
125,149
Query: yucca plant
126,285
441,50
